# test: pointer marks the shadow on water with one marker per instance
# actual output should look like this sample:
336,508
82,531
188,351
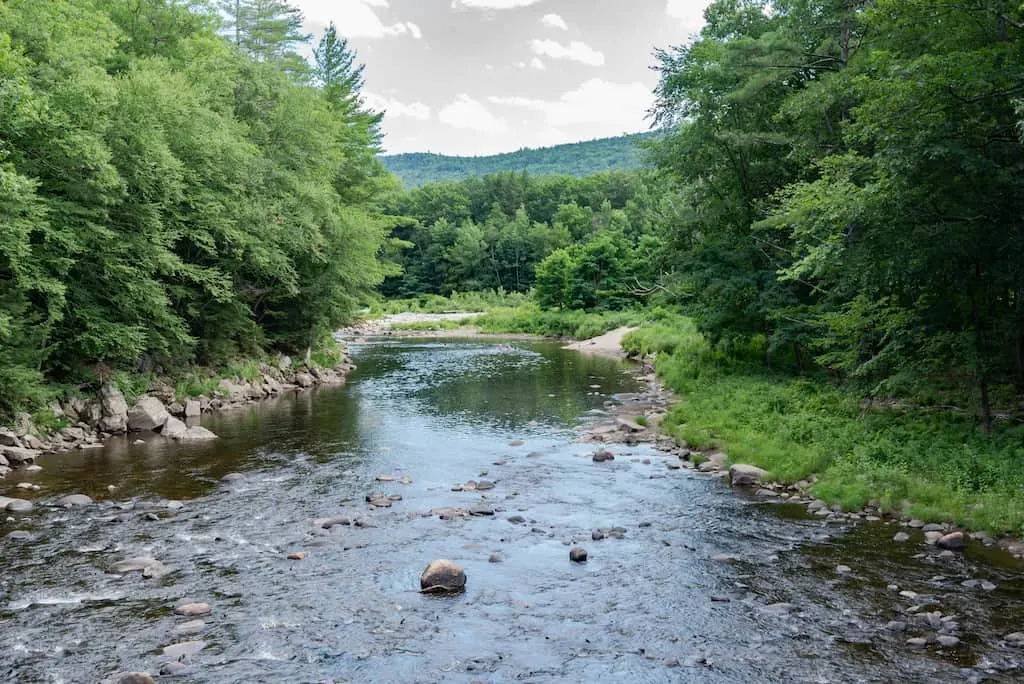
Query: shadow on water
705,585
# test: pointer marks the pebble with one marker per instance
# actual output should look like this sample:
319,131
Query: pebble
495,558
516,519
947,641
297,556
843,570
896,626
578,554
917,642
516,442
233,477
906,593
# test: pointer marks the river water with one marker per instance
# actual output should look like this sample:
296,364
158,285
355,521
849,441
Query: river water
660,604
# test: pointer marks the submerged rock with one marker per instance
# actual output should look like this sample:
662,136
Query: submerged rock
197,433
185,648
74,500
442,576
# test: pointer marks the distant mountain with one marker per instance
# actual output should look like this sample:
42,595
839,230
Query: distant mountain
575,159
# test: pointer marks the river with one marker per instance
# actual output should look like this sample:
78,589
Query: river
705,585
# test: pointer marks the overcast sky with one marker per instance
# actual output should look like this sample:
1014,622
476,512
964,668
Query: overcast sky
473,77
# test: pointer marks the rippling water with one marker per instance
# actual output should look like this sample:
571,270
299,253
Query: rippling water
651,607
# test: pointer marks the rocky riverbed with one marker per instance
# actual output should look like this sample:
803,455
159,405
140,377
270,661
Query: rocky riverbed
292,547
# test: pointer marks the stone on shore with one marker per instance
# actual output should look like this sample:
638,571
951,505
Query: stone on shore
193,408
743,475
442,576
114,409
148,413
19,456
953,541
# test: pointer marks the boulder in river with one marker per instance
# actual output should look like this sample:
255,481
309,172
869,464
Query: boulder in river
743,475
578,554
74,500
15,505
193,408
197,433
148,413
174,428
603,455
135,678
185,648
193,609
441,577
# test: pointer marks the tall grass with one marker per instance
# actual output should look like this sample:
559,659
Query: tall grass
458,302
935,465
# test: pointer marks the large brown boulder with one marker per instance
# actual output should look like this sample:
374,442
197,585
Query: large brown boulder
148,413
442,577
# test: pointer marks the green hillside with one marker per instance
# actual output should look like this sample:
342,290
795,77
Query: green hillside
575,159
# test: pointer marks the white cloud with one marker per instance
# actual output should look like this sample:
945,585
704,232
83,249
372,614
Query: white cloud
355,18
554,21
576,50
536,63
617,107
467,113
494,4
396,109
689,13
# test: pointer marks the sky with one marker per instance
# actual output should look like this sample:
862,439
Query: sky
478,77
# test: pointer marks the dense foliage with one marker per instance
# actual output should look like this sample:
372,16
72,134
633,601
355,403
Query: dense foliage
851,175
176,185
580,243
575,159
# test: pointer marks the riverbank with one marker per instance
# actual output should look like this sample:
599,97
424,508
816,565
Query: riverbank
171,407
928,469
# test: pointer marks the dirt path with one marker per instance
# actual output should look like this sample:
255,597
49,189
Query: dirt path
609,344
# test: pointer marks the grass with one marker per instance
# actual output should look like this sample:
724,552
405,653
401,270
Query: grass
931,465
438,325
531,319
458,302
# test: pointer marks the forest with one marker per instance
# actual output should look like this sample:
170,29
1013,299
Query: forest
837,183
577,159
178,185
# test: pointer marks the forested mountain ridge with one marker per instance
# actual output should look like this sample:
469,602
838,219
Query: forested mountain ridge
573,159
